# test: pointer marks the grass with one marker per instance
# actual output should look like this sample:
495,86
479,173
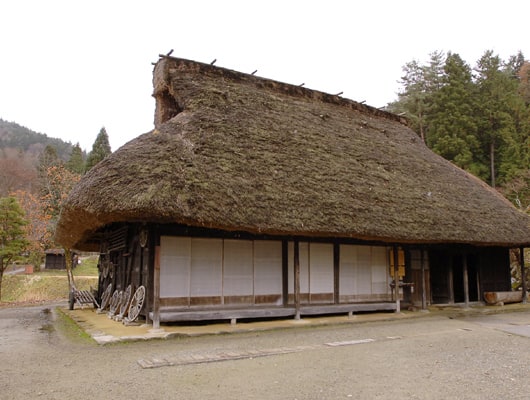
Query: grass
70,329
49,285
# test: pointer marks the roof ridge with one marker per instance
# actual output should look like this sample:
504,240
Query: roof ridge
288,88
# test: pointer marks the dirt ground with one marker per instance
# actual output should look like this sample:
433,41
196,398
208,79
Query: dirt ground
430,357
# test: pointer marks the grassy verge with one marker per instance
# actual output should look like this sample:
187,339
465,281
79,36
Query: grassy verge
70,329
48,285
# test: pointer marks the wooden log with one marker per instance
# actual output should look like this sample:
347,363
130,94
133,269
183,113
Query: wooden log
501,298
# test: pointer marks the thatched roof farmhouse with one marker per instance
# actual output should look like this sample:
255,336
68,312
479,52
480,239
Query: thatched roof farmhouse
236,156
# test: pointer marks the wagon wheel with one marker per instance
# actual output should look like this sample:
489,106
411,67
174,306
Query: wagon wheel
115,301
136,304
105,297
126,298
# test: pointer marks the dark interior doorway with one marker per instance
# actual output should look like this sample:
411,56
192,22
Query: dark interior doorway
447,277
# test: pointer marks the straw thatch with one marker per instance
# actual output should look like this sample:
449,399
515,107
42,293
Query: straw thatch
238,152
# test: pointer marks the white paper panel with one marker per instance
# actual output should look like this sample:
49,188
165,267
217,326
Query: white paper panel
364,270
348,270
238,274
175,258
206,267
267,267
321,268
380,282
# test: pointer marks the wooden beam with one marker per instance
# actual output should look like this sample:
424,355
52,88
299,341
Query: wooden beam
156,294
285,272
423,281
523,275
336,272
451,282
396,277
297,279
466,280
186,314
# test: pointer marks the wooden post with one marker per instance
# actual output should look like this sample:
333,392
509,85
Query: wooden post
285,272
466,280
478,284
297,279
156,294
451,282
336,272
423,281
523,275
396,278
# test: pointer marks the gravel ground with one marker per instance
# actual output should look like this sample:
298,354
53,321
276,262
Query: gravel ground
432,357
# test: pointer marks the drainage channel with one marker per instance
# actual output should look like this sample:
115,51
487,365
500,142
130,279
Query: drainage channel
210,357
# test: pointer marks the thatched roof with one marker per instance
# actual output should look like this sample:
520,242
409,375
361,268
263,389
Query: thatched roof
237,152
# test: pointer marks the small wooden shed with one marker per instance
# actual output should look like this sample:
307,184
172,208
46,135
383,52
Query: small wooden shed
54,259
256,198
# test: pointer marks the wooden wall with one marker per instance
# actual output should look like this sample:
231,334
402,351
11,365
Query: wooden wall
202,267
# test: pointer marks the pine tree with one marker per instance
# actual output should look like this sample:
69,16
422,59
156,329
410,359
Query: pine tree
100,150
75,163
12,233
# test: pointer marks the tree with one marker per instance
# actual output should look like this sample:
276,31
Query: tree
420,82
17,171
524,82
48,158
57,182
480,121
453,130
497,92
38,232
100,150
12,240
75,163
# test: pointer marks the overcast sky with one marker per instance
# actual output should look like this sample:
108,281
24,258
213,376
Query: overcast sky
67,68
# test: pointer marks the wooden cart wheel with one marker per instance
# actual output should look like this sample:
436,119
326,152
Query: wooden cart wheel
125,300
105,297
115,301
136,304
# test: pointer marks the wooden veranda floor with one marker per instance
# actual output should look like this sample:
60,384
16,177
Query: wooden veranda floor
210,314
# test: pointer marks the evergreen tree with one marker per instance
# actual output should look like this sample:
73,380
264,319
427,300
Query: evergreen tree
420,82
497,92
480,122
453,131
523,76
100,150
12,233
76,163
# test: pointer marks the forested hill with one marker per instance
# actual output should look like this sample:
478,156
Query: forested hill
477,117
16,137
